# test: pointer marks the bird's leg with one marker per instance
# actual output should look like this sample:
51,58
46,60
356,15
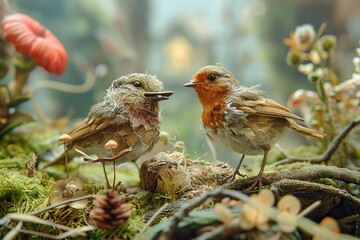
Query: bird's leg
236,171
258,180
106,177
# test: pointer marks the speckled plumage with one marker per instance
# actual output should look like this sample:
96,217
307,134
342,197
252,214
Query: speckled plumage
129,115
241,118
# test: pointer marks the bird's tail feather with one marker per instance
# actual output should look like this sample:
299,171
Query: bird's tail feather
306,131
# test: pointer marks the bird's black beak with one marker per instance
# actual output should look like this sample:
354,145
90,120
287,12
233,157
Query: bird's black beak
158,96
190,84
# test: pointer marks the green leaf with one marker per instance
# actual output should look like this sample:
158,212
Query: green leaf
15,120
19,101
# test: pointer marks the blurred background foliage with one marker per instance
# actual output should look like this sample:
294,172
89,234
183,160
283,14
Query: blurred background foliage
173,39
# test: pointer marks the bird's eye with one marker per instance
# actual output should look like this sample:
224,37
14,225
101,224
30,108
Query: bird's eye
211,77
137,84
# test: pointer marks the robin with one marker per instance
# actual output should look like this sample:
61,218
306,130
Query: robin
128,115
241,118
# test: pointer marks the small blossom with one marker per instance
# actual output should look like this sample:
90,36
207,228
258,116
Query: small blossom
223,213
288,206
330,224
306,68
251,217
304,36
289,203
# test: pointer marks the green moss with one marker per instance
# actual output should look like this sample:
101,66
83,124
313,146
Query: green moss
19,194
126,231
17,147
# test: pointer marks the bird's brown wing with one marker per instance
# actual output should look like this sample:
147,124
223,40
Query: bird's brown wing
88,127
96,121
267,108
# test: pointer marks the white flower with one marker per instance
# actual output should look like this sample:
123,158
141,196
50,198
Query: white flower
304,35
306,68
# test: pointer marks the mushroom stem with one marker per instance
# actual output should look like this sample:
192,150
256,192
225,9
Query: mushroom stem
114,169
23,66
106,177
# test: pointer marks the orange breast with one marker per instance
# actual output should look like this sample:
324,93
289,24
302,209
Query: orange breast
213,116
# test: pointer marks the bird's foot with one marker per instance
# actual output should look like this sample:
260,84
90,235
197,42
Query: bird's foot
257,183
231,177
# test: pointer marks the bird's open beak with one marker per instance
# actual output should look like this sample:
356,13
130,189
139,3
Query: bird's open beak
190,84
158,96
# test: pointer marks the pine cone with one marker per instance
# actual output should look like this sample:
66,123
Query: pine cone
110,210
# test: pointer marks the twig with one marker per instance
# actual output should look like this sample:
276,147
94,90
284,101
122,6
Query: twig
30,218
168,232
325,157
62,203
13,232
309,209
69,233
310,173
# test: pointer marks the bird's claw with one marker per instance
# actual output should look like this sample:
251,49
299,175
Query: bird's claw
256,183
231,177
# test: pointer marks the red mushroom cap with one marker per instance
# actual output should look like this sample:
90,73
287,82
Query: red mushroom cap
32,39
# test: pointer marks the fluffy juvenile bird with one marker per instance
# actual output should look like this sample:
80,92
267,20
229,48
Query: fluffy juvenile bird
129,115
241,118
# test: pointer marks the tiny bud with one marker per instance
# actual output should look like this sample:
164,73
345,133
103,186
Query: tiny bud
111,144
64,138
327,43
313,77
293,58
